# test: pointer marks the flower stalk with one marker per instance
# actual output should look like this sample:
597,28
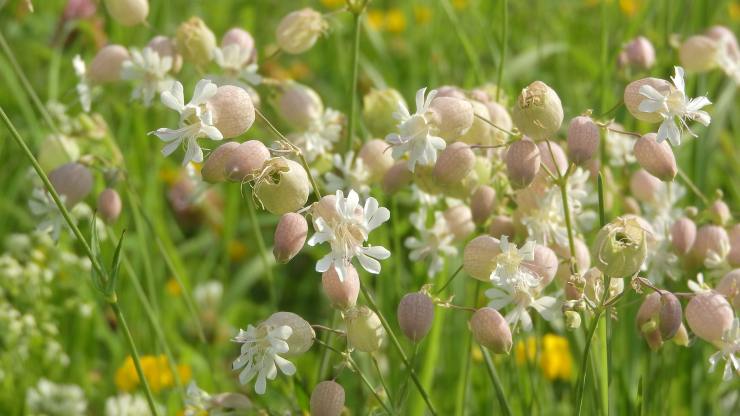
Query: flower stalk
357,13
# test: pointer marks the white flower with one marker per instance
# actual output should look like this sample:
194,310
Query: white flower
718,259
672,106
698,285
620,147
84,91
126,405
546,223
51,399
433,243
320,136
729,349
196,120
664,209
199,403
353,175
523,297
150,71
50,218
234,59
509,269
347,231
423,198
260,354
662,262
415,133
208,294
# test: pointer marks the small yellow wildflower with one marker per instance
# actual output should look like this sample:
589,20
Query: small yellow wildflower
459,4
173,287
733,10
477,354
237,250
630,7
333,4
555,359
156,371
395,21
422,14
376,19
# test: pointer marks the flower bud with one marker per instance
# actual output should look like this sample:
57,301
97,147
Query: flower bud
341,294
633,98
327,399
232,109
454,163
213,169
451,91
620,247
481,203
72,180
501,118
553,156
583,259
396,178
56,150
479,257
290,235
709,315
246,161
522,163
719,212
729,287
165,46
453,117
128,12
376,157
299,30
583,139
631,206
195,42
106,66
502,225
415,315
459,221
538,112
364,330
378,109
709,238
572,320
659,318
644,186
639,53
479,132
109,205
239,36
303,335
683,234
79,9
283,186
544,265
698,53
491,330
656,158
733,257
299,105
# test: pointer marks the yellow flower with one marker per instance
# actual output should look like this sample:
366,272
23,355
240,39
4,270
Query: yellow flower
237,250
459,4
156,371
395,21
333,4
734,11
630,7
173,287
555,359
525,351
376,19
422,14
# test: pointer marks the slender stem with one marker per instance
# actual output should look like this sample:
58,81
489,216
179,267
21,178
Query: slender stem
496,382
504,42
602,212
397,345
581,382
492,124
692,186
263,251
603,370
324,362
462,383
135,356
447,283
332,330
382,379
352,117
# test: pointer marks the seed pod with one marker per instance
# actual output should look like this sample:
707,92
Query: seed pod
479,257
709,315
109,205
698,53
246,161
633,98
733,257
451,91
583,139
364,330
683,234
479,132
283,186
290,236
709,238
522,163
106,66
213,170
303,334
481,203
378,107
415,315
73,180
298,31
165,46
552,156
452,117
583,259
376,157
128,12
454,163
195,42
501,118
620,247
299,105
644,186
341,294
538,112
659,318
232,109
491,330
502,225
327,399
729,287
656,158
459,221
719,212
639,53
396,178
544,265
239,36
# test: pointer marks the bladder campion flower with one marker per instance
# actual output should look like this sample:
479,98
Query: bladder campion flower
260,354
150,71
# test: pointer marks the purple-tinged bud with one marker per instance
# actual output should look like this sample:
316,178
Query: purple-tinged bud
639,53
459,221
213,169
479,257
733,257
633,98
165,46
107,63
239,36
481,203
583,139
451,91
583,259
327,399
644,186
709,316
396,178
290,236
299,105
415,315
719,212
246,161
454,164
683,235
709,239
109,205
491,330
341,293
232,109
545,264
553,157
522,163
376,157
656,158
72,180
453,117
502,225
729,287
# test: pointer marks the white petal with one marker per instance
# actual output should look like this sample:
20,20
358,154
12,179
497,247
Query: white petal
174,97
324,264
669,130
368,263
204,90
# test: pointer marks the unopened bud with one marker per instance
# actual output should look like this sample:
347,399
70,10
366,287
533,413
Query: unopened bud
664,310
72,180
481,203
683,234
109,205
165,46
479,132
583,258
453,117
378,107
107,63
232,110
709,315
415,315
709,239
364,330
283,186
572,320
719,212
376,157
341,293
501,118
479,257
213,169
396,178
298,31
303,335
299,105
128,12
538,112
502,225
454,163
544,265
620,247
491,330
246,161
239,36
729,287
553,157
633,98
583,139
733,257
290,235
698,53
644,186
327,399
195,42
459,221
656,158
639,53
522,163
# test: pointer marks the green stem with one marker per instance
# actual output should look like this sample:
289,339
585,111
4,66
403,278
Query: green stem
447,283
692,186
397,346
324,362
134,355
352,118
496,382
263,251
581,382
462,382
382,379
504,42
603,370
